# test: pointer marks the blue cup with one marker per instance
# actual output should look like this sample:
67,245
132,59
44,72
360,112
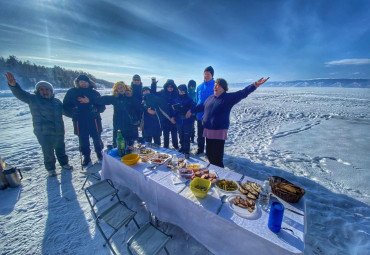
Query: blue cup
276,216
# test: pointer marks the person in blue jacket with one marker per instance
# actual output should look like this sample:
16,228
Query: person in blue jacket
204,90
216,119
182,104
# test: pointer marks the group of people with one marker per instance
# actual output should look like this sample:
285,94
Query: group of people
172,111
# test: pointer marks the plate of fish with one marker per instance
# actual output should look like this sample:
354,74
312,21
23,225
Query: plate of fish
242,206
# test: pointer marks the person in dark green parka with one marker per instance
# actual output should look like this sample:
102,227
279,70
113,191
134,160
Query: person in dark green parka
47,117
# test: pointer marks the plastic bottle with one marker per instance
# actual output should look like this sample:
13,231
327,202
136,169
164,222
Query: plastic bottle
175,161
120,144
264,197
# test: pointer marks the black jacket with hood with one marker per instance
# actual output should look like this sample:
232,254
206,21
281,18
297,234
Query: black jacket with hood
85,116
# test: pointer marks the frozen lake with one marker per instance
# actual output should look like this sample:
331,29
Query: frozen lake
317,138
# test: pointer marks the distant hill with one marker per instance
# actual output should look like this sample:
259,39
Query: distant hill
344,83
28,74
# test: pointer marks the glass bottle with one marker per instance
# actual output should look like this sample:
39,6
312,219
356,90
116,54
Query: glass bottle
120,144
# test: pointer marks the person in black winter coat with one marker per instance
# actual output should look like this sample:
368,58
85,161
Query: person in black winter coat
47,117
126,112
169,94
152,117
137,87
182,104
85,116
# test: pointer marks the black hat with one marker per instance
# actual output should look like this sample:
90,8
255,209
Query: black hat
210,69
183,88
83,77
136,77
144,89
192,83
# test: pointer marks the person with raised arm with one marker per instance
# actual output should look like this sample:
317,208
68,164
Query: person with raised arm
216,119
47,118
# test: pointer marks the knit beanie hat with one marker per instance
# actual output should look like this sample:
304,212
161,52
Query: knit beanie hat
136,77
44,84
210,69
192,83
223,83
145,89
183,88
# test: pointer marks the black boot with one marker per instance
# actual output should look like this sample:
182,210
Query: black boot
86,161
99,155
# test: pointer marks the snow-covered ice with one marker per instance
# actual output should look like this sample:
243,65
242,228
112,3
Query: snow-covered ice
317,138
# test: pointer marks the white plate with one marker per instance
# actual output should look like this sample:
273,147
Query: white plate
243,212
161,160
225,191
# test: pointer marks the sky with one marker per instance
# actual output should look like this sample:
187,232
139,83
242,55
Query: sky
242,40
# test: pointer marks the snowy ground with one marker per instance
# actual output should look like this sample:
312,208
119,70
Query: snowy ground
315,137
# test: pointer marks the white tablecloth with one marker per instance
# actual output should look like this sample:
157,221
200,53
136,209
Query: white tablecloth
224,233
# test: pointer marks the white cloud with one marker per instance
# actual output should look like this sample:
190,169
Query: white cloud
350,61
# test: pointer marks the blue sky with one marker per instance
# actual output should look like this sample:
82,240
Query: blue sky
242,40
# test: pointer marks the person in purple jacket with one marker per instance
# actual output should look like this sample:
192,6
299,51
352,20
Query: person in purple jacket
216,118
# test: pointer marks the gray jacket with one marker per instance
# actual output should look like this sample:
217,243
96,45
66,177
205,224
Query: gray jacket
46,113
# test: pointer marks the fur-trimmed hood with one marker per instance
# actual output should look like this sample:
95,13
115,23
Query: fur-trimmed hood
83,77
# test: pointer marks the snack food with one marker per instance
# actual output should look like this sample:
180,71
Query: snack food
181,164
250,189
286,190
226,185
244,203
205,174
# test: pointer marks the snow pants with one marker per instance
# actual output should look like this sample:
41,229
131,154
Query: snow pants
156,139
166,134
215,151
49,145
184,135
200,138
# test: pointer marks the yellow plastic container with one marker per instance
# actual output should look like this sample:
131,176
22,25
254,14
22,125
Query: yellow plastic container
130,159
202,183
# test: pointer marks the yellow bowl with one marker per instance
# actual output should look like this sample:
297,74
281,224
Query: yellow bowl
199,182
130,159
